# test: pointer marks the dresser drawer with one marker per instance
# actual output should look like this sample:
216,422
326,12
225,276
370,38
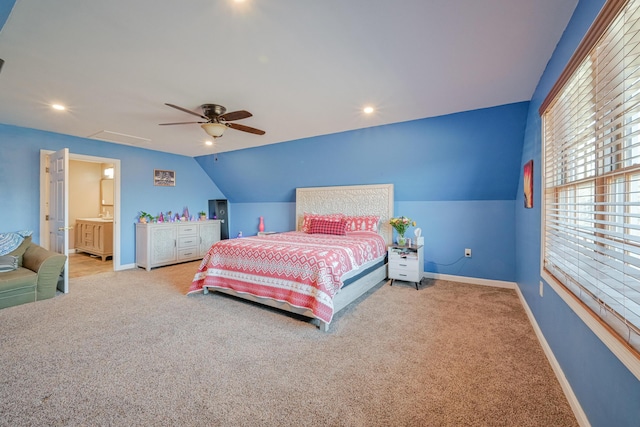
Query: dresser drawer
188,253
187,241
187,230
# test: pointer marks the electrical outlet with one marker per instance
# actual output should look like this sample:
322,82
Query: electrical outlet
541,288
467,253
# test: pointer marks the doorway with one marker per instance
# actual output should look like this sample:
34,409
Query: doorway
90,217
88,198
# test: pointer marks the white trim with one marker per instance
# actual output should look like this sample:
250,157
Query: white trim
581,417
471,280
613,343
44,198
125,267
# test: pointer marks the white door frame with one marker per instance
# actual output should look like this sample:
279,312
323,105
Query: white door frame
59,209
44,200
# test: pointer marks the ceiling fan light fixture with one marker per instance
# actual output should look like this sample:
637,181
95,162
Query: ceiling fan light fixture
214,129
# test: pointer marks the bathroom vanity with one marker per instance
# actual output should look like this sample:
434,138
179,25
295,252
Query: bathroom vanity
94,236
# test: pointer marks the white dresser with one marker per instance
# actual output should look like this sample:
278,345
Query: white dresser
406,263
167,243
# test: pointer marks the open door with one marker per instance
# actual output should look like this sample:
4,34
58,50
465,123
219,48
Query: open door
59,209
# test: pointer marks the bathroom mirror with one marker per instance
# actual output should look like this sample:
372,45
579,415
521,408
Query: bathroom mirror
106,192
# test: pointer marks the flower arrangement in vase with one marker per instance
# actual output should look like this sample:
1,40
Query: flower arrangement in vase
401,224
145,217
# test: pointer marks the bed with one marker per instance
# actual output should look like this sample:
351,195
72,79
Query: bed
313,271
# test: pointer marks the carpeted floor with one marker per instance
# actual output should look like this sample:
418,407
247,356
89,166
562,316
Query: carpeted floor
129,348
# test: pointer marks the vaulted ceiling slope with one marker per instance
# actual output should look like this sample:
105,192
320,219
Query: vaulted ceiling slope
472,155
302,68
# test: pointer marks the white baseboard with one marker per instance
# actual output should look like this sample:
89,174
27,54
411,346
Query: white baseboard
471,280
125,267
581,417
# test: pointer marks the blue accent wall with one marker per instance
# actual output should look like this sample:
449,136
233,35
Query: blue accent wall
471,155
608,393
455,175
20,181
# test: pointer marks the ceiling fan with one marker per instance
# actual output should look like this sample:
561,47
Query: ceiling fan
216,119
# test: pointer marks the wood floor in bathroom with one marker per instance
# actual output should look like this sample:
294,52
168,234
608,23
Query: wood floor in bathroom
83,264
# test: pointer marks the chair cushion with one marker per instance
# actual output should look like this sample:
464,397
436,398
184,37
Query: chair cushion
18,279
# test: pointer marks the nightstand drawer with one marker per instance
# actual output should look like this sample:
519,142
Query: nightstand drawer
404,274
402,254
404,263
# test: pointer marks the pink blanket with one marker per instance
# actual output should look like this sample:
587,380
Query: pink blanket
302,269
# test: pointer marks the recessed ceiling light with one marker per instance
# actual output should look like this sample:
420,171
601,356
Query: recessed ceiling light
368,110
58,107
208,142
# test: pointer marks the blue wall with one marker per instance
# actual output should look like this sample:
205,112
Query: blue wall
608,392
471,155
20,181
461,200
455,175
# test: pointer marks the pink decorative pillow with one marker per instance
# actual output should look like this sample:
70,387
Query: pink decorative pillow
306,223
362,223
321,226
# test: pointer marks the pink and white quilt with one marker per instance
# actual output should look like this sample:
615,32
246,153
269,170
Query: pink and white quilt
305,270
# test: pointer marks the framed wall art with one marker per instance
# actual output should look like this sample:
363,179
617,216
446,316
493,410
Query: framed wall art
528,184
164,178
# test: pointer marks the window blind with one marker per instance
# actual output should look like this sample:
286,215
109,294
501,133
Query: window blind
591,174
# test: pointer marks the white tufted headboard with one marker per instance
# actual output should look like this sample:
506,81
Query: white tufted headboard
375,199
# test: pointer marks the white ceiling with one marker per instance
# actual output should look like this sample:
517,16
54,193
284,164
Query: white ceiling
303,68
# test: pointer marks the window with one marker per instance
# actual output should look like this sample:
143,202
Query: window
591,172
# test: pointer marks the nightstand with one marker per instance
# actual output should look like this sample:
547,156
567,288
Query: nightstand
406,263
265,233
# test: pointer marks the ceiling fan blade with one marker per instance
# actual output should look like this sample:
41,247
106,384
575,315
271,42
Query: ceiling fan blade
244,128
186,111
179,123
235,115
